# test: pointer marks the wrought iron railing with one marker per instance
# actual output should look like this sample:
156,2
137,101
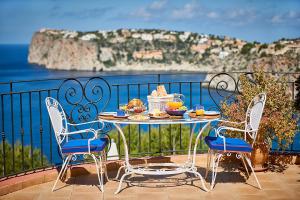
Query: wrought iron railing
28,144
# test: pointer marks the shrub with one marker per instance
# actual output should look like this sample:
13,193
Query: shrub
263,54
277,122
278,46
246,48
19,156
263,46
109,63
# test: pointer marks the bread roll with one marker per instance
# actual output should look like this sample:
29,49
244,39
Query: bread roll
161,91
135,103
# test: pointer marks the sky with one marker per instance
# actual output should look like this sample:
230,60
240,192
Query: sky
250,20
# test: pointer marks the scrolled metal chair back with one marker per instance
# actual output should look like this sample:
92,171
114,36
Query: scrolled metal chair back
254,114
83,99
58,119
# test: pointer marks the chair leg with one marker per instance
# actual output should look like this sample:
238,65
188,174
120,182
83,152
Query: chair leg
216,160
100,179
208,164
101,173
250,165
119,170
105,166
246,168
200,177
63,170
121,180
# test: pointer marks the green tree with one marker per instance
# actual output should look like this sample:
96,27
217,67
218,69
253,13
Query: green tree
23,159
246,48
278,46
263,46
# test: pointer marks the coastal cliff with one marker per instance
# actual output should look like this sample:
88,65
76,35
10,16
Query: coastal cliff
130,49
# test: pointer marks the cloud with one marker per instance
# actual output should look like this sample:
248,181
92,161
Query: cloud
151,11
276,19
80,14
287,17
241,14
158,5
189,11
141,13
212,15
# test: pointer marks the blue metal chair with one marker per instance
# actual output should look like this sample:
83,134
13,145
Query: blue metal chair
70,148
220,145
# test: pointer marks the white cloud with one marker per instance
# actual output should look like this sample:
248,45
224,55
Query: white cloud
157,5
141,13
277,19
149,11
189,10
212,14
290,16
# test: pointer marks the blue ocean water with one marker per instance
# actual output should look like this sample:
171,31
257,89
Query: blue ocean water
14,67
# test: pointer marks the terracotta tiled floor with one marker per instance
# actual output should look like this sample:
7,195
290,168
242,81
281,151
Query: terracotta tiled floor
230,185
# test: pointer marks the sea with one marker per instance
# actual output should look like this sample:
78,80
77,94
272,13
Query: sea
15,67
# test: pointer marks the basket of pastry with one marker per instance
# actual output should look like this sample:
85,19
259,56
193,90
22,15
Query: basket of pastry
158,99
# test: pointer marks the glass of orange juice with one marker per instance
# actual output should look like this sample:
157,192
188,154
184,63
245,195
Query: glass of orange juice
199,110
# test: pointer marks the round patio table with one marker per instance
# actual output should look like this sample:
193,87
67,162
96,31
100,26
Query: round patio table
162,169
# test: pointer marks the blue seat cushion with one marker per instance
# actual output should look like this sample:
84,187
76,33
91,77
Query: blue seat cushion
232,144
81,145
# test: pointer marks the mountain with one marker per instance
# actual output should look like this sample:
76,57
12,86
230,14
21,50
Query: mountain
151,49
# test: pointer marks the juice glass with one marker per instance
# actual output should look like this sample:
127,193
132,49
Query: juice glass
199,110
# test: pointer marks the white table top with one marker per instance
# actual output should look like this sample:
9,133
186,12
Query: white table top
160,121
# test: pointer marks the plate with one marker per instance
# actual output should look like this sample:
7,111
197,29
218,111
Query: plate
159,117
193,115
139,118
211,113
121,117
106,114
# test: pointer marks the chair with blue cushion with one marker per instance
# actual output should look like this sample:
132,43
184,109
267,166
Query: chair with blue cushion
220,145
70,148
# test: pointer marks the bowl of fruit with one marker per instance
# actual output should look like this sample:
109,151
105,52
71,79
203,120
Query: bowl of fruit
178,111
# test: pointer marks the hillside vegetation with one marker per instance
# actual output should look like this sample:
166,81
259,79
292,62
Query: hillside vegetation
130,49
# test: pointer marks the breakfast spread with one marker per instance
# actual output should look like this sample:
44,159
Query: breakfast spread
161,106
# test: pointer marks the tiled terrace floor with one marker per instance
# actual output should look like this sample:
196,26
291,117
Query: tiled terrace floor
230,185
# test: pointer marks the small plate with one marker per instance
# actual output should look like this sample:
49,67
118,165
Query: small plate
211,113
106,114
121,117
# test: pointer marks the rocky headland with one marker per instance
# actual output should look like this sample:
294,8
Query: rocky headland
144,50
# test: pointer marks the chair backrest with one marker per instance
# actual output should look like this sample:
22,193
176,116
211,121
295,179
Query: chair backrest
58,119
254,114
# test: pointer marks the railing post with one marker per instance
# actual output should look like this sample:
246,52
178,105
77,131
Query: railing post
3,137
